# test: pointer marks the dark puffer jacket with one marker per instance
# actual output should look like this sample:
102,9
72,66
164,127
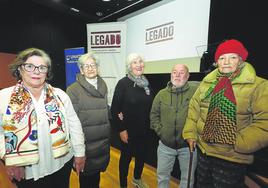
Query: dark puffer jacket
92,109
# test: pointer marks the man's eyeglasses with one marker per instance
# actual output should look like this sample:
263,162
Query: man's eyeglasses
92,66
31,68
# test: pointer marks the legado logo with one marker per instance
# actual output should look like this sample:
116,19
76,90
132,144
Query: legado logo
159,33
106,39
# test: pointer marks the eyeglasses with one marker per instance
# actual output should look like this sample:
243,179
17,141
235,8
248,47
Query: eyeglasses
92,66
31,68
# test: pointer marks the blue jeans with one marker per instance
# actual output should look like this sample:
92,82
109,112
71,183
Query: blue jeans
165,161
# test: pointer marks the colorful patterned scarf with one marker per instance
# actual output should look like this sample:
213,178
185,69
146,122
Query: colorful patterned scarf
220,126
20,126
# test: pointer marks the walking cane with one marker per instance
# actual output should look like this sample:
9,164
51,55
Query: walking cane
190,169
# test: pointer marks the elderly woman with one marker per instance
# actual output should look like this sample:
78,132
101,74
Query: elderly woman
89,97
130,109
228,118
40,131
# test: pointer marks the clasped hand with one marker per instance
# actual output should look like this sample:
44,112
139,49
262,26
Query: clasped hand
15,172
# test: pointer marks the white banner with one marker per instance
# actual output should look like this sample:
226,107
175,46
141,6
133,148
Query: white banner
108,41
169,32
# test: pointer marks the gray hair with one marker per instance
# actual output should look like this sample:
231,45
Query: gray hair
131,58
83,58
185,66
24,55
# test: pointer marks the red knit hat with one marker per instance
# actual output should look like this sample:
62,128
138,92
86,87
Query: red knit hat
231,46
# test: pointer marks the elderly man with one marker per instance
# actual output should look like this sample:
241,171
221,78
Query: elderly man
168,116
228,118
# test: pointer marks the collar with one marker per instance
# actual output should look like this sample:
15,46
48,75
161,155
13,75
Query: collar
178,89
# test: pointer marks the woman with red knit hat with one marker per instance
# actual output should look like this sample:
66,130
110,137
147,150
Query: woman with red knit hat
227,119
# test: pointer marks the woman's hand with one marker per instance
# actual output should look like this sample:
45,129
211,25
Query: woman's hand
15,172
192,144
79,164
121,116
124,136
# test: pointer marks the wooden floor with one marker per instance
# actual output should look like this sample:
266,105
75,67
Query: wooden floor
110,178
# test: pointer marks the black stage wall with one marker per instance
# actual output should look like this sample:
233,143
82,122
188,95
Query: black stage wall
24,24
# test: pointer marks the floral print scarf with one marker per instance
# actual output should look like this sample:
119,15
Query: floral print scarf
21,130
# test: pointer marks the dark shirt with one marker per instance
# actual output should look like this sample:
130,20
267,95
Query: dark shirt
135,105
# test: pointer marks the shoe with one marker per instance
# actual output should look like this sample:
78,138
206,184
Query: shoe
139,183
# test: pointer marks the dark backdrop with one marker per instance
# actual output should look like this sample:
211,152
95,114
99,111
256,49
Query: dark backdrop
25,24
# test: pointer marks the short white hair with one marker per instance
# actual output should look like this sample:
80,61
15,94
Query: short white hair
131,58
83,58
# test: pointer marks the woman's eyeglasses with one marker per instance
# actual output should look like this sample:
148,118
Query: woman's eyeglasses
31,68
92,66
